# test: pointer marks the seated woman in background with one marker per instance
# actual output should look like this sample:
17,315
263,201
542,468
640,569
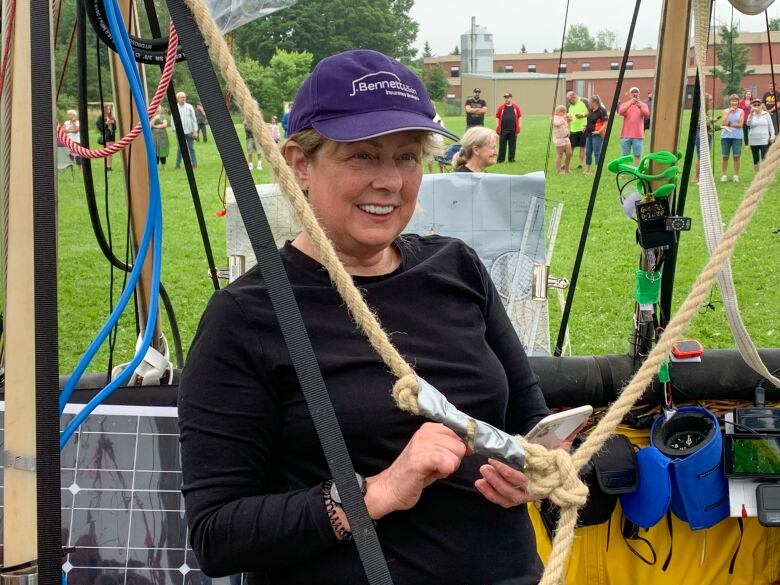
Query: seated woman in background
478,151
257,488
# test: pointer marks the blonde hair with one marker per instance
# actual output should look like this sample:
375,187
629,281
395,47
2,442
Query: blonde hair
733,96
475,137
560,108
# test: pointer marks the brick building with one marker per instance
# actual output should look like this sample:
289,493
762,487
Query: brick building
596,72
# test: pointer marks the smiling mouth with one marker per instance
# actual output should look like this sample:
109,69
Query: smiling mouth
377,209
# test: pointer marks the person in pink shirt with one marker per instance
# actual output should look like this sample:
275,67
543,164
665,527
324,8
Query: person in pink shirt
634,112
746,105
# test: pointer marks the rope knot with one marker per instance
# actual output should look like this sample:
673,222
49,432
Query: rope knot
405,393
552,474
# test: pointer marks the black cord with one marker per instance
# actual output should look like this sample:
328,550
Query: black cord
594,190
96,228
154,26
555,95
772,67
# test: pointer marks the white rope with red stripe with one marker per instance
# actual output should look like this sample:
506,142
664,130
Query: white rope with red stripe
165,80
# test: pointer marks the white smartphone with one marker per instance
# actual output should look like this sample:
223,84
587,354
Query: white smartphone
555,428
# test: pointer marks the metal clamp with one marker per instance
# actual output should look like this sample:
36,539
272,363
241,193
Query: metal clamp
21,462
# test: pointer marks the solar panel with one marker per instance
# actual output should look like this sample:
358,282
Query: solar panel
122,506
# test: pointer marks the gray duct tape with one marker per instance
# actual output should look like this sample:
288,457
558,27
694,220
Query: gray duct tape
488,440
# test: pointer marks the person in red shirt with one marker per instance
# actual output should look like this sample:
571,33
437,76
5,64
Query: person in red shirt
509,122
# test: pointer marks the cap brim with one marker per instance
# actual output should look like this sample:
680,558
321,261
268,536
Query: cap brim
372,124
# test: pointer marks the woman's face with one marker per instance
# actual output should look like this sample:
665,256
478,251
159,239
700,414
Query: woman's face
486,154
364,193
748,95
593,104
733,104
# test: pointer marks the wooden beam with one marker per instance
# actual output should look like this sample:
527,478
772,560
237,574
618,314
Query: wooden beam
670,79
135,166
20,522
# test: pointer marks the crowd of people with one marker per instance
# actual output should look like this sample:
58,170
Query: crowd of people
194,127
578,128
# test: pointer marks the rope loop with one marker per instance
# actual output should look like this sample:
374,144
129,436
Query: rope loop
552,474
405,393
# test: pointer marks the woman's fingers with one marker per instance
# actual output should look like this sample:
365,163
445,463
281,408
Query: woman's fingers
502,484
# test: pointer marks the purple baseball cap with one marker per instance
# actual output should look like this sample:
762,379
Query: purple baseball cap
362,94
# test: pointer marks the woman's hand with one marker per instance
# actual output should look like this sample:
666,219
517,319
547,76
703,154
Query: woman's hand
503,485
434,452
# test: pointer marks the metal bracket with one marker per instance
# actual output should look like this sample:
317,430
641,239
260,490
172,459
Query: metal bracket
21,462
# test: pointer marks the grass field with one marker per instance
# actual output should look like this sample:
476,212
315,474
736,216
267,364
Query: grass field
602,312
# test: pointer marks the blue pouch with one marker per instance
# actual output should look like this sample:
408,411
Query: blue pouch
692,440
648,504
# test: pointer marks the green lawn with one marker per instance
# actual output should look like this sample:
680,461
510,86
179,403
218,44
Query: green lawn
602,313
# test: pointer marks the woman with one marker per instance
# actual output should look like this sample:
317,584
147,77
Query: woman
746,105
256,484
73,130
595,128
477,151
160,134
762,132
732,120
106,126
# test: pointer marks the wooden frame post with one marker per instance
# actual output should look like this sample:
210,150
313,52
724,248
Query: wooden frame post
135,166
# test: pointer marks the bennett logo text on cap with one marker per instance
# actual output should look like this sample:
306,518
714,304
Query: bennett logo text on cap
382,80
361,94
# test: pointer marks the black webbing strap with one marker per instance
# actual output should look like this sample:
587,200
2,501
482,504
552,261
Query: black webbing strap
280,292
47,417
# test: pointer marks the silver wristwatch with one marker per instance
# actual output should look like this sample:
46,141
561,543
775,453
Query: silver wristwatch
334,491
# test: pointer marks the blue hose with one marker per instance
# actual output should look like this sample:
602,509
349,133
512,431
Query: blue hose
152,229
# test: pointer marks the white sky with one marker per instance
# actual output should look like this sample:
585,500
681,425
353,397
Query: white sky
539,24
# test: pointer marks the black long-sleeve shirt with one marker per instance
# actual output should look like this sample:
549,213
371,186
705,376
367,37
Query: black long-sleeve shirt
253,467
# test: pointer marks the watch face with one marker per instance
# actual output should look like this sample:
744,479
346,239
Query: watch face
334,490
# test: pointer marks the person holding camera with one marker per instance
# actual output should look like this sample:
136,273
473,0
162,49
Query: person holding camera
632,135
731,137
761,131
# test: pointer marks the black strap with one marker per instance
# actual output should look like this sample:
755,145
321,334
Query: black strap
280,292
671,541
47,417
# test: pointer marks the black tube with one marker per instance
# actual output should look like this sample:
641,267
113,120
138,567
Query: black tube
166,300
595,380
594,189
151,51
598,380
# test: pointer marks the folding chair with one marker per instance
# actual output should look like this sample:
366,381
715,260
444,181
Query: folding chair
445,160
63,159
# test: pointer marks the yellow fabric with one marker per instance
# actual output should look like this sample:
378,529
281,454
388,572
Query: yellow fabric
699,557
